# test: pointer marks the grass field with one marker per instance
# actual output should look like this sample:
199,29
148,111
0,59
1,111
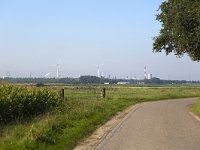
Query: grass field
81,112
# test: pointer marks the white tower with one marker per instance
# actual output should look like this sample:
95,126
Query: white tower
98,70
58,70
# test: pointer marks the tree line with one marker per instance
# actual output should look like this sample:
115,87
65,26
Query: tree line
92,80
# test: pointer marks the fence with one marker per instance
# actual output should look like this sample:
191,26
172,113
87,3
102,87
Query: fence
83,92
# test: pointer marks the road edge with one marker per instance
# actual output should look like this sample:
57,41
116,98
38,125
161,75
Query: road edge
104,132
118,126
194,115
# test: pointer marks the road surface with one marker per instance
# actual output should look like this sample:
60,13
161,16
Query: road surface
163,125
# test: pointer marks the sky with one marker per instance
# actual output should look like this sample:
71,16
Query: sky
36,34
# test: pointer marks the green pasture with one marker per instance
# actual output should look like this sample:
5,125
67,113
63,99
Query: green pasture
79,114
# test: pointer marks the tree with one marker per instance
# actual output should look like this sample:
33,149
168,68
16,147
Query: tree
180,31
89,79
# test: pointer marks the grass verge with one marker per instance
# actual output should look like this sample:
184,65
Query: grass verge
196,108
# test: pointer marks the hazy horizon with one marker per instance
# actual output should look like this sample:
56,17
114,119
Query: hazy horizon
34,35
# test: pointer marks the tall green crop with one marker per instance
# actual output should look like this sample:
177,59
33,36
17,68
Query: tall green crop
19,102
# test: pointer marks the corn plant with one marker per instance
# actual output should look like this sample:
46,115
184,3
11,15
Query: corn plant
20,102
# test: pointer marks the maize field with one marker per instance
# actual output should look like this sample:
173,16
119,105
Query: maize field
21,102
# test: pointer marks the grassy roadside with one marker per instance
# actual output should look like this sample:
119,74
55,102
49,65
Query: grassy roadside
81,113
196,108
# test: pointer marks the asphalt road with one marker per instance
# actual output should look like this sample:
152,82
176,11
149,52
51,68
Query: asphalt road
163,125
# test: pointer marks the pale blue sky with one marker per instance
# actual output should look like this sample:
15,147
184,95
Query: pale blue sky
35,34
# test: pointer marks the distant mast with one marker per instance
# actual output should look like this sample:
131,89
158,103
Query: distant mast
145,72
58,71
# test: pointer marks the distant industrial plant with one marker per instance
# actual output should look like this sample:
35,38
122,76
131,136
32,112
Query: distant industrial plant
100,78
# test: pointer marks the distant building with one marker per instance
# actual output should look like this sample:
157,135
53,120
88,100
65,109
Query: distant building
106,83
149,76
123,82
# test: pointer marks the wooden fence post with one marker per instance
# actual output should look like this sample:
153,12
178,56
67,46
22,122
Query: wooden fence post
62,94
104,92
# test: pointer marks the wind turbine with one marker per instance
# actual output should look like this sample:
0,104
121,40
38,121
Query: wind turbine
98,70
57,69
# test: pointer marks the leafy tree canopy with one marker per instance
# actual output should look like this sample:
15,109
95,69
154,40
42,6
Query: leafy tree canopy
180,31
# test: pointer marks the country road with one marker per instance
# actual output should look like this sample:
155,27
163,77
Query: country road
163,125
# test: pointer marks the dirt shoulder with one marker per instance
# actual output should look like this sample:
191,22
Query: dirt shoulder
102,132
